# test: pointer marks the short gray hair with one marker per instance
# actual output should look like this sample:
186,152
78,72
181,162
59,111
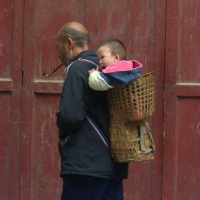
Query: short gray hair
80,38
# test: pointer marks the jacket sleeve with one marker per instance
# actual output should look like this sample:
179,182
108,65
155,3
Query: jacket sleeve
96,82
73,102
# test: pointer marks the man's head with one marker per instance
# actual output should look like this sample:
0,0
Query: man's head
110,51
72,39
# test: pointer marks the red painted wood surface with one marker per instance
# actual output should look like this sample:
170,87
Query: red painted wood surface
11,21
181,177
163,35
39,142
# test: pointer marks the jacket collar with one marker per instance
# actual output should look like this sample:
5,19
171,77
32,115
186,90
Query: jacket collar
84,54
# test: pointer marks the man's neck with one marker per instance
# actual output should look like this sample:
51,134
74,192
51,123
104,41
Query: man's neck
78,50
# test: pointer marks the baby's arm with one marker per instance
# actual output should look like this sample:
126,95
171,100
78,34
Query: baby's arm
96,82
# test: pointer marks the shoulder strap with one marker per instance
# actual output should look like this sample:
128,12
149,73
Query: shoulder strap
86,60
91,121
80,59
98,131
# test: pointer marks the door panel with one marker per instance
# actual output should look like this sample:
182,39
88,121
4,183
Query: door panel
187,163
40,171
182,112
10,97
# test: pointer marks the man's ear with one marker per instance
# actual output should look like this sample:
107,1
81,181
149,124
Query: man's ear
70,42
117,57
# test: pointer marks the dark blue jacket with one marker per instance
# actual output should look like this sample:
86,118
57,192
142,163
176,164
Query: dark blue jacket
81,149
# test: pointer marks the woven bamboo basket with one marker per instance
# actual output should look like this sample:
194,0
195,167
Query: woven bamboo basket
133,101
128,144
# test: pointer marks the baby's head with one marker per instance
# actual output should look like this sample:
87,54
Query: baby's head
110,51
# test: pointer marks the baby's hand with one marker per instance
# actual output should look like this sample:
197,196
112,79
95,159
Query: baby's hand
91,71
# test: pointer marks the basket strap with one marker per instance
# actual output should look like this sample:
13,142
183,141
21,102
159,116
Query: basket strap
80,59
91,121
145,129
98,131
150,135
89,61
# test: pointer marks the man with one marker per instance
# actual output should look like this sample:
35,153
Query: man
87,168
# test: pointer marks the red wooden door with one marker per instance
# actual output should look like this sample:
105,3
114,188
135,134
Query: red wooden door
163,35
40,162
29,101
39,156
182,98
10,97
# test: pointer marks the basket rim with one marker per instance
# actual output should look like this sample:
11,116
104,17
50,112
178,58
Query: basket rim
146,74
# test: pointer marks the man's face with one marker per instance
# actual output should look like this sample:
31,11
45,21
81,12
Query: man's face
63,53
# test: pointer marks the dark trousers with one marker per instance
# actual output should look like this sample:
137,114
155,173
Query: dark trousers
78,187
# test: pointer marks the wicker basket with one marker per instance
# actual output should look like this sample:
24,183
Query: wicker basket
133,101
131,142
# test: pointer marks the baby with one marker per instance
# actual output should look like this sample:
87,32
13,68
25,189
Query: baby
113,68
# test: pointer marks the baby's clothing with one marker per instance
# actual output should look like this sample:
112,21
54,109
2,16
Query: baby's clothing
116,73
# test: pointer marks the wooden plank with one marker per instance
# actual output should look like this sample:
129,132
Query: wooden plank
135,23
158,119
16,99
6,84
170,137
48,87
182,96
10,95
40,163
188,89
5,134
187,145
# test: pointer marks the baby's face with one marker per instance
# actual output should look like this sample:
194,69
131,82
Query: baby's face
105,56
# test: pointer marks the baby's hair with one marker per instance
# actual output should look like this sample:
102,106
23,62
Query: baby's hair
116,47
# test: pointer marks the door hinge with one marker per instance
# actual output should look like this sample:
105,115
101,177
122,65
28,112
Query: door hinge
22,77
